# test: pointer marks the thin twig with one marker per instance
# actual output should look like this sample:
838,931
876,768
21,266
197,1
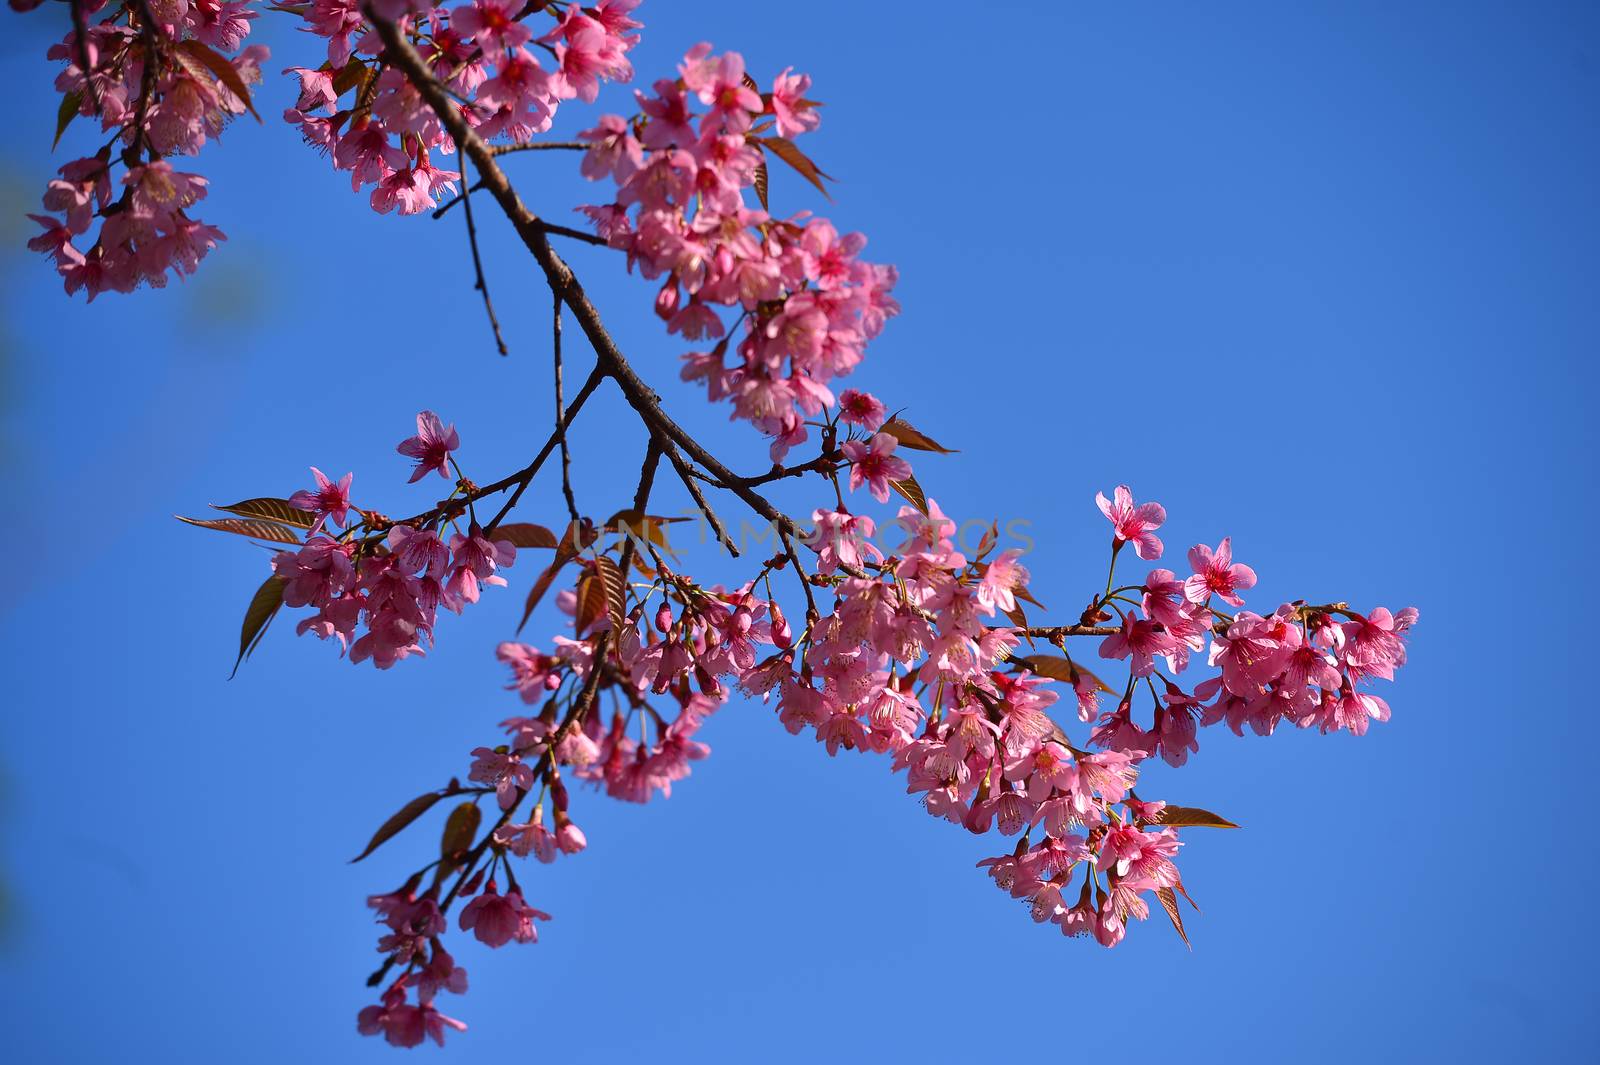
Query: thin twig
561,417
1052,631
524,477
812,613
477,265
540,146
686,474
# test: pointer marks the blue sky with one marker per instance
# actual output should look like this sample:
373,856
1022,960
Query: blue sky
1317,276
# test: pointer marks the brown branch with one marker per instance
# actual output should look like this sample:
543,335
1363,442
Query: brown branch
402,54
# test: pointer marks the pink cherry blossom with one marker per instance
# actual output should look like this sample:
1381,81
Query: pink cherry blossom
1217,574
431,446
873,463
497,919
1135,524
328,501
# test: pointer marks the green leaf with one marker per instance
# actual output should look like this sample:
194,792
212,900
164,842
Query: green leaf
263,605
261,530
218,64
401,818
272,509
1193,817
70,103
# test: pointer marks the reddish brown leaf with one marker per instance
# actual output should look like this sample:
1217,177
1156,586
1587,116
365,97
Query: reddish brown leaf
398,821
261,530
1193,817
614,586
761,181
1063,669
785,149
218,64
272,509
525,534
912,492
913,438
591,605
991,536
1169,902
576,538
459,831
263,605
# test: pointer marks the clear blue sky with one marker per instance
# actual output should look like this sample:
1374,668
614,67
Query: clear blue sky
1312,275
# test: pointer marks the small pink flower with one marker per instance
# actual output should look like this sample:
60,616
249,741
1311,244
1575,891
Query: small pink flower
507,772
498,919
861,408
492,23
794,113
1141,639
431,446
872,463
1134,523
1217,574
327,501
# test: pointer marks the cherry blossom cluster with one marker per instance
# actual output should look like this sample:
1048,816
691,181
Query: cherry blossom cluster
158,77
983,750
924,655
808,303
389,579
695,637
371,120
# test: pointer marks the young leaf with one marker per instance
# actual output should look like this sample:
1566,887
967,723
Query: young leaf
1193,817
591,602
613,585
912,491
1169,902
913,438
401,818
350,75
459,831
261,530
218,64
576,538
525,534
761,180
69,110
263,605
1057,668
784,149
272,509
